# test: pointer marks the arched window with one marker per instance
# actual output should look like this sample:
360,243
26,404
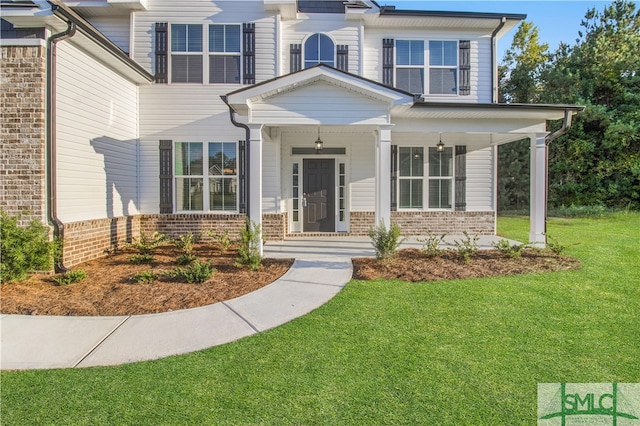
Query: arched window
319,49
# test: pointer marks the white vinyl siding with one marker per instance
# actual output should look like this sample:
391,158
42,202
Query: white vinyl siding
480,179
118,30
316,104
96,139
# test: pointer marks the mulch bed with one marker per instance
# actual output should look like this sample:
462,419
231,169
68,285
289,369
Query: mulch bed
413,265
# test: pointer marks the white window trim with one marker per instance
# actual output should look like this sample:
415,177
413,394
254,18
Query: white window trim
204,53
238,54
206,199
422,67
304,50
429,67
426,178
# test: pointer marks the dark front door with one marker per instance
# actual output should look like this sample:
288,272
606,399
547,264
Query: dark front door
318,205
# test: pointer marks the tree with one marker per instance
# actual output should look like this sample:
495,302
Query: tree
519,82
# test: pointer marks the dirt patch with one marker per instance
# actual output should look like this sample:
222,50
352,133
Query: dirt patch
414,265
109,290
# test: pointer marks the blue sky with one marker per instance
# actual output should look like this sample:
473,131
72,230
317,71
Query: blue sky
557,20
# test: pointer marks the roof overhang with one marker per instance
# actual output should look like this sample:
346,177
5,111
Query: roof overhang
241,100
463,110
55,15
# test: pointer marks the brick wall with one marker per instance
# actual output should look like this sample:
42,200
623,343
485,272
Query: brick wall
174,225
426,223
22,132
274,226
91,239
361,222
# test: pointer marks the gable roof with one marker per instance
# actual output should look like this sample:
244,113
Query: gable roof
240,99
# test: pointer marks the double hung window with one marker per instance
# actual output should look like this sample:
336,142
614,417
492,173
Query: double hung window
410,65
440,178
411,177
206,185
186,53
443,67
224,54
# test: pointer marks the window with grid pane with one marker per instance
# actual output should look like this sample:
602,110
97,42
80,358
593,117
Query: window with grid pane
224,54
186,53
223,176
440,178
443,67
189,176
411,176
319,49
410,65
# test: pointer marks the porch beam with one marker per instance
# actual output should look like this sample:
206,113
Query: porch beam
383,175
255,176
538,195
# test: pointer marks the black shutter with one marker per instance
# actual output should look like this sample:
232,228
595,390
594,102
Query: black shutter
387,61
162,49
166,176
461,178
249,53
242,175
394,178
342,56
295,57
465,67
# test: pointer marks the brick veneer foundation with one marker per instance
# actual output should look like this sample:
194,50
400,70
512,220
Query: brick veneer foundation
274,226
174,225
22,132
426,223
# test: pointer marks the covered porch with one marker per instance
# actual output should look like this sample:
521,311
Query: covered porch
331,153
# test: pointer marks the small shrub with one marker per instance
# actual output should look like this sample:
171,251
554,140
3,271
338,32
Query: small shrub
249,248
224,240
385,242
467,247
139,259
555,246
186,242
23,249
185,259
431,245
144,277
70,277
145,244
505,247
197,272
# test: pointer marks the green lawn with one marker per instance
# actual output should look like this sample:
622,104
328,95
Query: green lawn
465,352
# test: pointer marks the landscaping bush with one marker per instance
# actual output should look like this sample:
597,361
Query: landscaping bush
505,247
23,249
185,259
467,247
145,244
249,248
197,272
70,277
186,242
138,259
144,277
385,242
431,246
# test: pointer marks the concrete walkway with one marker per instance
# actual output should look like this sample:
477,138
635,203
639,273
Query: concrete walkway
321,269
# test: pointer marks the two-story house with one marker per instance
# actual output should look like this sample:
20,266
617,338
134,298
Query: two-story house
128,116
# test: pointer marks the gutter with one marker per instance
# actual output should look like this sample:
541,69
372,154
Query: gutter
494,59
566,125
50,118
247,169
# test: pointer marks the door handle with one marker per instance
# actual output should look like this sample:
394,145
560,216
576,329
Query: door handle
304,200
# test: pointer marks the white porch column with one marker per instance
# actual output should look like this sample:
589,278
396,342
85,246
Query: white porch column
383,175
255,175
538,196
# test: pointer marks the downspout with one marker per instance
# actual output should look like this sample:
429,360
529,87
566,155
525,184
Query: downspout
568,116
494,60
247,169
52,192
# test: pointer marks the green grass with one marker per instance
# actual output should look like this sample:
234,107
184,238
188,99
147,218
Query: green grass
466,352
